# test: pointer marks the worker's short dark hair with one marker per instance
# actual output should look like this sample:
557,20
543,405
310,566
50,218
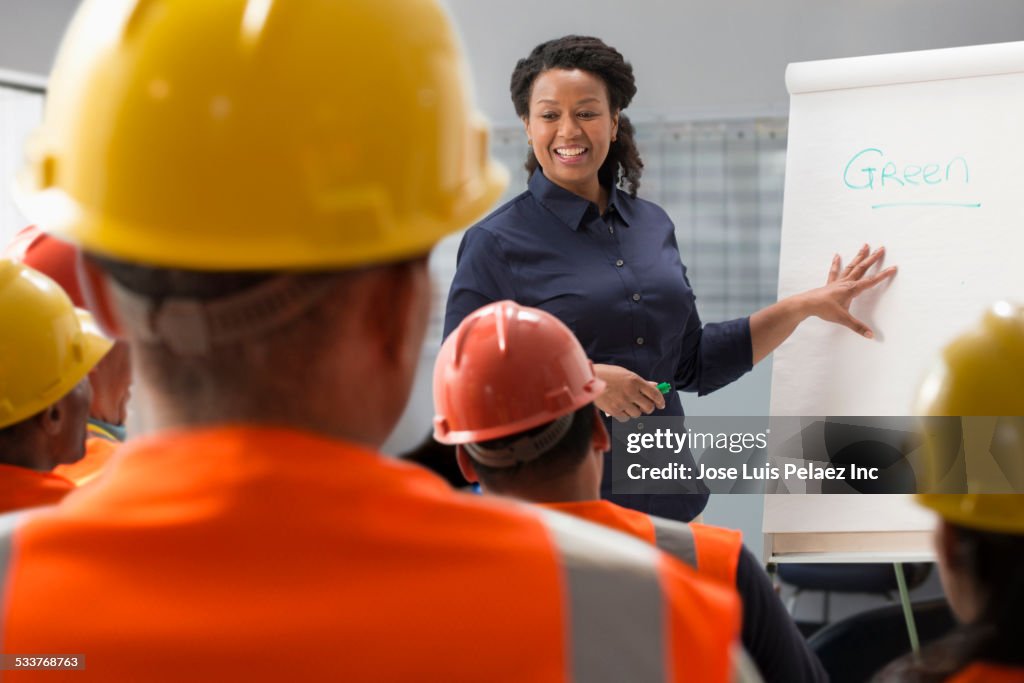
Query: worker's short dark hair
564,456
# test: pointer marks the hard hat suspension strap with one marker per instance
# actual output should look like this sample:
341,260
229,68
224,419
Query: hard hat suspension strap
191,327
525,449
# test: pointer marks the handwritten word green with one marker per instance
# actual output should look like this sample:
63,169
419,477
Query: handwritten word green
868,169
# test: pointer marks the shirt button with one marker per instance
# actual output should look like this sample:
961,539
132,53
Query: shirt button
636,297
640,341
620,263
639,426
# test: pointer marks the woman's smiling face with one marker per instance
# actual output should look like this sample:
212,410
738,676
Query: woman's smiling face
571,127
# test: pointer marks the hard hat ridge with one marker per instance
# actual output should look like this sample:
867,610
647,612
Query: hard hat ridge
505,370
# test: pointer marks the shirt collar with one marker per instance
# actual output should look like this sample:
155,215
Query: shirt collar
102,429
569,207
622,203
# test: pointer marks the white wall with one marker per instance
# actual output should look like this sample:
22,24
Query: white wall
30,31
722,57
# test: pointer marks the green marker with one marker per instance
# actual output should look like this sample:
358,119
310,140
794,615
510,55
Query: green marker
664,387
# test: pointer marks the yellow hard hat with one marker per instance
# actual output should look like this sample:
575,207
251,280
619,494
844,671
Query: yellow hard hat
981,373
254,134
46,345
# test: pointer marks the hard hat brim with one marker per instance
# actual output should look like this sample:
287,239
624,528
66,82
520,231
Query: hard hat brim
58,213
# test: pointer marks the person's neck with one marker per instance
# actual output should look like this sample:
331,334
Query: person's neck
160,412
24,455
559,490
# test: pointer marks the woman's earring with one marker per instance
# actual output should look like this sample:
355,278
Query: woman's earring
529,142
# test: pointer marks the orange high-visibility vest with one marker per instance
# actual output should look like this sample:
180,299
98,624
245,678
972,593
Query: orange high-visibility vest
712,551
22,488
241,553
99,449
984,672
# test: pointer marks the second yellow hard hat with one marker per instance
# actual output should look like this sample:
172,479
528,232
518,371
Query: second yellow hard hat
47,346
981,373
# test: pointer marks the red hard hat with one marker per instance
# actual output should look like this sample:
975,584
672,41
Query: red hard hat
506,369
51,257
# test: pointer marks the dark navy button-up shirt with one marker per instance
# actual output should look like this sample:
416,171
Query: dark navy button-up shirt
616,280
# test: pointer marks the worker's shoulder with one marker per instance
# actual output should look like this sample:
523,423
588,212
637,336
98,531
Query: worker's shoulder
592,545
9,523
577,543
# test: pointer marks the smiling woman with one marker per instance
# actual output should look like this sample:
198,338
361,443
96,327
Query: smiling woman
580,244
571,127
579,81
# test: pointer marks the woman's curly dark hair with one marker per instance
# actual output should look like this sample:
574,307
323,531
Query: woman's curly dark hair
585,53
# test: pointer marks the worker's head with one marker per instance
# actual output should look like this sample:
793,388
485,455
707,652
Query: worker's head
514,390
258,238
111,379
47,349
568,469
980,537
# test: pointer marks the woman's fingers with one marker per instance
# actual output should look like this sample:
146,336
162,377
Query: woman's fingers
632,406
858,257
856,325
647,398
833,270
644,405
628,395
869,282
653,393
862,267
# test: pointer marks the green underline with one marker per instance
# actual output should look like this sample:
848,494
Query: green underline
963,205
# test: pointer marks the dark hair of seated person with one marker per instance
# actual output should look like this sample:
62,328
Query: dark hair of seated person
565,456
995,562
439,458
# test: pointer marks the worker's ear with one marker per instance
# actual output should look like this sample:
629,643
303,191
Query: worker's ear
466,465
947,549
51,420
599,437
95,285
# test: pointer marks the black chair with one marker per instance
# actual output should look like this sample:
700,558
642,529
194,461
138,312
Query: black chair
852,650
879,579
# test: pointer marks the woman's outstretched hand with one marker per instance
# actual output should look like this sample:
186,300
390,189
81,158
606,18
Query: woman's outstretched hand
832,302
771,326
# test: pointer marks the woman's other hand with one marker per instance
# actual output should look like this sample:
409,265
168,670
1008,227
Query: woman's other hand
832,302
628,394
771,326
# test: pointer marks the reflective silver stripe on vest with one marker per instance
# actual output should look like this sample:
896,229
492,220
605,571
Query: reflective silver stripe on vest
676,539
743,668
8,524
616,607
